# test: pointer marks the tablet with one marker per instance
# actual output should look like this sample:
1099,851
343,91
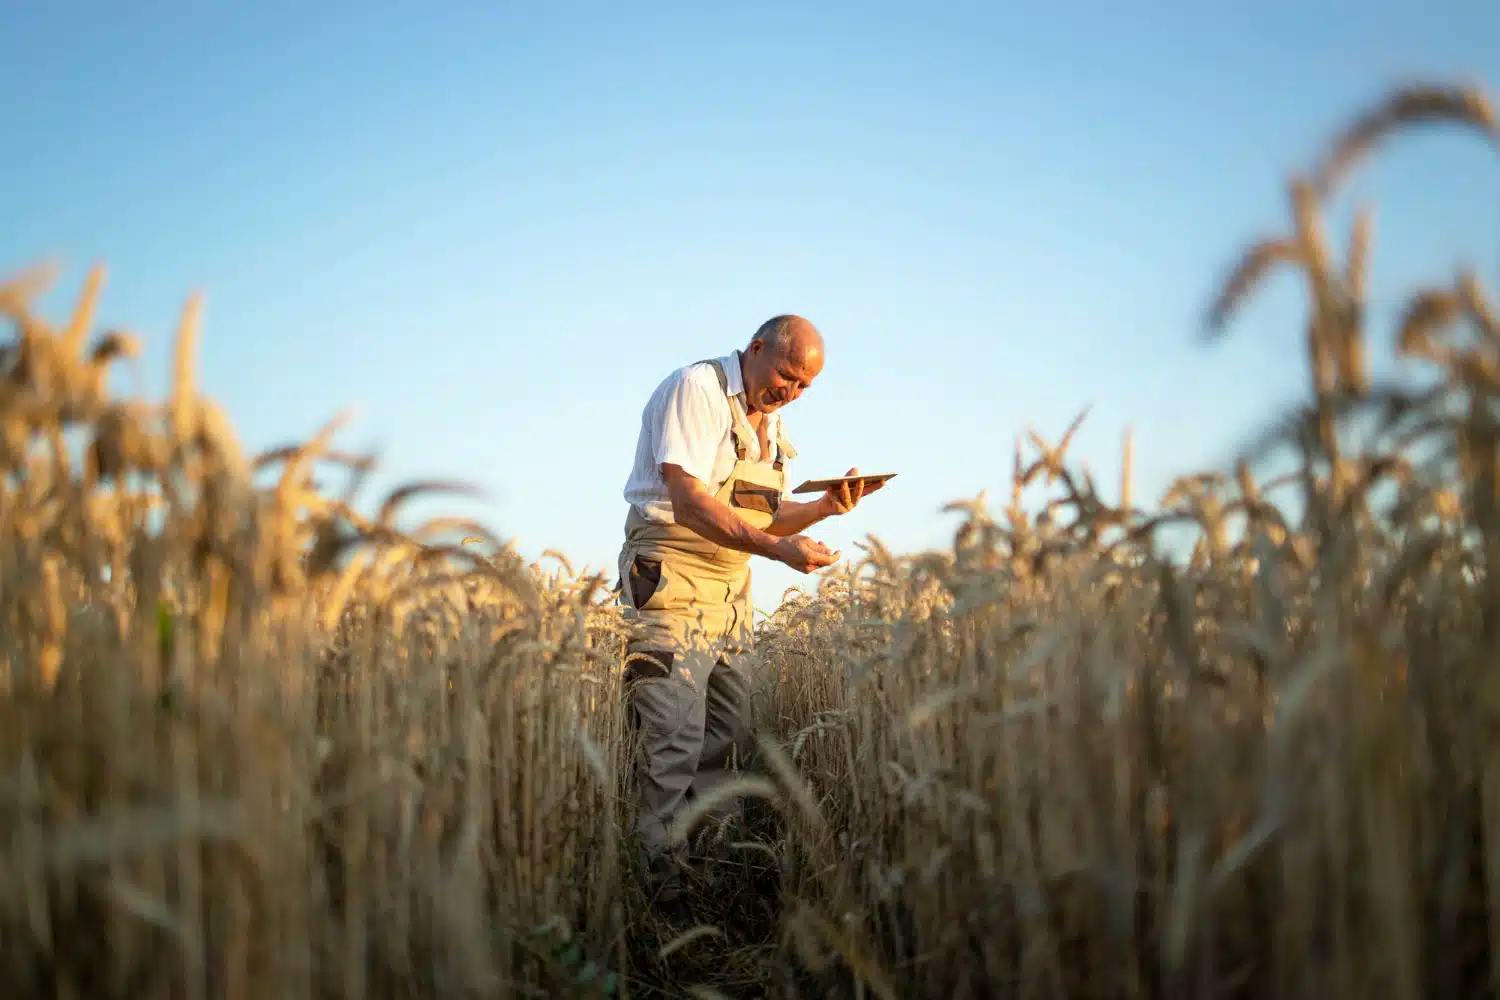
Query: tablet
819,485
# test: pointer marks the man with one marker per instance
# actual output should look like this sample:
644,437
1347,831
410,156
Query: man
706,493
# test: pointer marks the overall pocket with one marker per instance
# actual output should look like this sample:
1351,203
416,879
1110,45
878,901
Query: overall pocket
753,496
643,580
657,585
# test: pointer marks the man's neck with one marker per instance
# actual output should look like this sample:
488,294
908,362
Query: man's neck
751,412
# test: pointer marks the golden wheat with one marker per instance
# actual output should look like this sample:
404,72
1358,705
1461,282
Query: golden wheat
254,741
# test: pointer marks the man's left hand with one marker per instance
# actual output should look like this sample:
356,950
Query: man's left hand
844,497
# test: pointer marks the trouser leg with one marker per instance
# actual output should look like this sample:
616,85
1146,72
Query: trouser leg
726,733
669,712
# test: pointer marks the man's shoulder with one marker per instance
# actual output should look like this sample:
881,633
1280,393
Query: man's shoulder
700,373
692,389
698,376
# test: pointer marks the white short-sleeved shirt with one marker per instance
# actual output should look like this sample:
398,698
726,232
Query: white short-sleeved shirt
687,422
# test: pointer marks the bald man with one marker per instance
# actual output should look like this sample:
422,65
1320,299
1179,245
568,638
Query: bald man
707,492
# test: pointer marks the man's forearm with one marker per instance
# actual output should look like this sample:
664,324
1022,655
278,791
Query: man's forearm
705,516
793,518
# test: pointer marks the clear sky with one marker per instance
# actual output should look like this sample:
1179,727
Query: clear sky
492,229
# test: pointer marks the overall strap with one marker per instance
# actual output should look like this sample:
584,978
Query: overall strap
781,448
742,435
719,371
784,450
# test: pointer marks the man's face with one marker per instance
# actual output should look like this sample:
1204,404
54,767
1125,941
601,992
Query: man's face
775,378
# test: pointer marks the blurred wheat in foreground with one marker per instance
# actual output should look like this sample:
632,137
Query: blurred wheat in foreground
256,742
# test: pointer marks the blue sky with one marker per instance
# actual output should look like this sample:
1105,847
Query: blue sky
492,230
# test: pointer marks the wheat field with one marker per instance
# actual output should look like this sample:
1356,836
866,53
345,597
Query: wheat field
263,738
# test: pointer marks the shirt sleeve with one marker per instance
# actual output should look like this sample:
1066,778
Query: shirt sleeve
692,425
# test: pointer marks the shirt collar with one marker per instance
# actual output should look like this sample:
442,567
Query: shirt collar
732,374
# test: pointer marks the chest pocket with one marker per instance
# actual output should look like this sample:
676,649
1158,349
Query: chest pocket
753,496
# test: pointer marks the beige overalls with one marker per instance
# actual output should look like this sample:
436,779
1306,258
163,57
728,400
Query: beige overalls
688,600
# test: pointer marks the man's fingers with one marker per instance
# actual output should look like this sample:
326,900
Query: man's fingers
818,555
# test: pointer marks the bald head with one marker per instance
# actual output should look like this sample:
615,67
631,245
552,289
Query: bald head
781,361
791,337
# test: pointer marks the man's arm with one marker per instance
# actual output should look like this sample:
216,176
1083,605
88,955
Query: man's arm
793,518
695,508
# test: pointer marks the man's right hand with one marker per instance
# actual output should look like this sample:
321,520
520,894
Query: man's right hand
803,554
